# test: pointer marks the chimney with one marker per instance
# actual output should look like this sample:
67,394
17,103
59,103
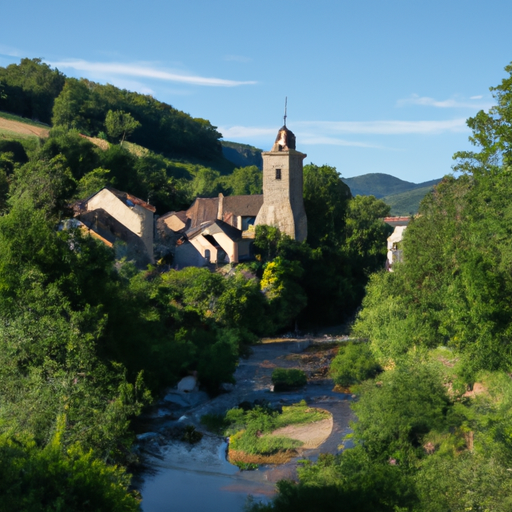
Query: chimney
220,207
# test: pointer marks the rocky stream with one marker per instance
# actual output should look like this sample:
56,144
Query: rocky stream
186,477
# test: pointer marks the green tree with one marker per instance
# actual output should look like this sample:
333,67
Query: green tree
57,478
325,199
30,89
120,124
411,400
285,295
366,233
92,182
491,134
244,181
353,363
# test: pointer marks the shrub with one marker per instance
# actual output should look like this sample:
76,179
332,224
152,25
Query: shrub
288,379
353,364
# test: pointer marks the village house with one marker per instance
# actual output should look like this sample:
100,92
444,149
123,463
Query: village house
120,220
395,253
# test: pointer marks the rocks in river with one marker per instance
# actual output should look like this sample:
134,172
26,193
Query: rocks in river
183,399
188,384
146,436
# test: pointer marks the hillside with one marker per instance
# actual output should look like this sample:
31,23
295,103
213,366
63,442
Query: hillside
406,203
242,155
381,185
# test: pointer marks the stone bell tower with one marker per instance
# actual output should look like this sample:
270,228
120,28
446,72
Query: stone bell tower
283,206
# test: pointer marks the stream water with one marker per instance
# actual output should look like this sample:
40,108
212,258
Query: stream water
195,478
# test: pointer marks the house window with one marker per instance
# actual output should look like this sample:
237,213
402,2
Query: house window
278,174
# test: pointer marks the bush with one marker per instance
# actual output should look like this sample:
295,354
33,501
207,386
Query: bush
288,379
353,364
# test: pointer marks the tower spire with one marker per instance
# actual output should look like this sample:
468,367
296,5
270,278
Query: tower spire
285,108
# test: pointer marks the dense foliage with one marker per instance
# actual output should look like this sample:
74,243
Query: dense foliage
322,281
353,364
87,340
30,88
433,430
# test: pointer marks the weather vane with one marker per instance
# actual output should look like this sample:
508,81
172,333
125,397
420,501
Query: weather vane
285,106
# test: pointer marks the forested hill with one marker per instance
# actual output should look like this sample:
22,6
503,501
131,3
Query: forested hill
381,185
242,155
34,90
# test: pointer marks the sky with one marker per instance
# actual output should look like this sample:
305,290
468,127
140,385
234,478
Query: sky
373,86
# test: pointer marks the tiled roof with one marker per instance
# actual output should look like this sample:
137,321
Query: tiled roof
203,209
243,206
397,221
123,196
214,227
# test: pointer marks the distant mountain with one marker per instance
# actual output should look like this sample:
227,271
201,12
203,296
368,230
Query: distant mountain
382,185
406,203
242,155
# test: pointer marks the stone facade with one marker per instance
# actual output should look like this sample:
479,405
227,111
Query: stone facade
283,205
125,216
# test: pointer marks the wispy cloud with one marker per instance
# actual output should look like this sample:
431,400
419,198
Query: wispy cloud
385,127
9,51
329,132
415,99
246,132
109,69
333,141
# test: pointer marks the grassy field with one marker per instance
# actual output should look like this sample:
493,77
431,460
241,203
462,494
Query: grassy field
24,120
23,130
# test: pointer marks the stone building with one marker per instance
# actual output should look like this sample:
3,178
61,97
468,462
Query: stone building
219,229
115,216
395,252
283,204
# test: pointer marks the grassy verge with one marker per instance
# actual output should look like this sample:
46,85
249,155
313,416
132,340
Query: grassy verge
250,431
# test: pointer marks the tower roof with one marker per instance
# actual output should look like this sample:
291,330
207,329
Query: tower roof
285,140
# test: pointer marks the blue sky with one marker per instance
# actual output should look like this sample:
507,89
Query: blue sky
372,86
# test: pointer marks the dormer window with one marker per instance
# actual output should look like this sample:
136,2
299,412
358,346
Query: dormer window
278,174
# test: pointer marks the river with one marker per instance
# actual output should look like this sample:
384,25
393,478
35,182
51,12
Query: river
193,478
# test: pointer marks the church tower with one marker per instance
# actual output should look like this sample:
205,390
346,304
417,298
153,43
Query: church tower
283,205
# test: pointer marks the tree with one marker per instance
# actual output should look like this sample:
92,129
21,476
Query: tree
72,107
244,181
119,123
30,89
492,133
366,233
325,199
411,400
280,284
